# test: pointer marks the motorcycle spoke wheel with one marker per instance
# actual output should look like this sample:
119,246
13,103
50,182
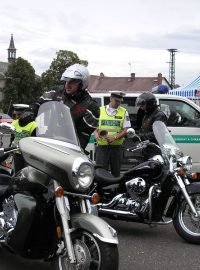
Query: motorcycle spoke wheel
91,254
185,223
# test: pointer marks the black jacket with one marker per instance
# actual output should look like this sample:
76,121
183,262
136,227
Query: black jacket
146,130
85,113
84,110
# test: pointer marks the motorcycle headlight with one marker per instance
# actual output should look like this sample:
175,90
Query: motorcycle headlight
83,174
186,162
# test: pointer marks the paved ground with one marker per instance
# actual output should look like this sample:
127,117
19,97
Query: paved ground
140,248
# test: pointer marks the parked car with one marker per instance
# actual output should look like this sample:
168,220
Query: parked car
5,118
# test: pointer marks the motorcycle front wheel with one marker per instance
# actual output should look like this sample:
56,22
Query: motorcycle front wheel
91,254
185,222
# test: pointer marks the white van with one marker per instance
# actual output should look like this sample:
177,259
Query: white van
183,122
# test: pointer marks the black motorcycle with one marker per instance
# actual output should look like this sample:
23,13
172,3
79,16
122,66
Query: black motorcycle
45,212
157,191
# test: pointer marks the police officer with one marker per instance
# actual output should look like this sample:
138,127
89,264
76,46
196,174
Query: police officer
148,103
84,110
25,126
113,124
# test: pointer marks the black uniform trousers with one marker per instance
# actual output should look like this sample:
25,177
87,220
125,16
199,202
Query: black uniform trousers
109,157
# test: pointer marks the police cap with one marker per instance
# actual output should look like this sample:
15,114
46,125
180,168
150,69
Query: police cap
20,108
118,95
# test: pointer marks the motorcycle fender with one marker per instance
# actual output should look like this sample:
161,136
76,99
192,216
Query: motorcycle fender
174,206
97,226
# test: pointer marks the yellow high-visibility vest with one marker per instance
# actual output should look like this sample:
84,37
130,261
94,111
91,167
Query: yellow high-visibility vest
22,132
112,124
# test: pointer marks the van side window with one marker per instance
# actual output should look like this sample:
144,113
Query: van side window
106,100
98,100
180,114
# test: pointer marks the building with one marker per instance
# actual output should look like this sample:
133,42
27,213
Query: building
102,83
4,65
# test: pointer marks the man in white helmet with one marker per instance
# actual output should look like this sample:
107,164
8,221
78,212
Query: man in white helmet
85,111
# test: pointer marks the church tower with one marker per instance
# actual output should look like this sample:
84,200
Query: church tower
11,50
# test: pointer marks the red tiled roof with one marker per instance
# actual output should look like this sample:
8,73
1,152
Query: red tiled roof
99,84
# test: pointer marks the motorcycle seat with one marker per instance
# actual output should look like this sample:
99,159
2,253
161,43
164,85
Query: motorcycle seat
105,178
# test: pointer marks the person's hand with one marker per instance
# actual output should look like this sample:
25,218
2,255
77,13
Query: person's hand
96,136
110,139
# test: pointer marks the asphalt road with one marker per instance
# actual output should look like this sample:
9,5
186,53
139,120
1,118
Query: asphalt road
140,247
159,248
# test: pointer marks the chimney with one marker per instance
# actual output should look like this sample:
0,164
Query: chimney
132,76
102,75
159,79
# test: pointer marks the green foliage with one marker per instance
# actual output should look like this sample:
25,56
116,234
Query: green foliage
22,85
63,60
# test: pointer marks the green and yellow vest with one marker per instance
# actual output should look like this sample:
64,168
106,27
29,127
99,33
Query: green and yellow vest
113,124
22,132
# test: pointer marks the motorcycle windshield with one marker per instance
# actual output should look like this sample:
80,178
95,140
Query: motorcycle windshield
54,121
164,139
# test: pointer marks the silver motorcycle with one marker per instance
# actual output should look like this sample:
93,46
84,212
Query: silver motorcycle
45,212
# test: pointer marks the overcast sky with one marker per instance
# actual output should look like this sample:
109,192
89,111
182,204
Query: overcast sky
116,37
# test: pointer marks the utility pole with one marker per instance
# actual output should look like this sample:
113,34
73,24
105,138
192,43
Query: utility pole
172,67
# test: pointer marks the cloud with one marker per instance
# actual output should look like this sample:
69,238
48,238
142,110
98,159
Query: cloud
108,34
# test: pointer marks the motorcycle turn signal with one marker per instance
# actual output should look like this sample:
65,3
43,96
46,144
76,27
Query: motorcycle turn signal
59,192
95,198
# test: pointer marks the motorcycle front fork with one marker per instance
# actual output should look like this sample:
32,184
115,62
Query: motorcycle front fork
64,210
185,194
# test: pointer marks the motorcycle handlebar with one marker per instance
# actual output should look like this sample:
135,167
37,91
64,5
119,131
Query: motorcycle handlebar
8,149
138,146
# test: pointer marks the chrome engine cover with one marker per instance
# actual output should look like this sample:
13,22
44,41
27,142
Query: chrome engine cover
136,186
8,217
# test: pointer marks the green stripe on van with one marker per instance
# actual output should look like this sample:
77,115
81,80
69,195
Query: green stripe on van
186,138
92,139
177,138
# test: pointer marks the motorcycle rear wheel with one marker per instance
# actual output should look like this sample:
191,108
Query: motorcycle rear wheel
91,254
185,223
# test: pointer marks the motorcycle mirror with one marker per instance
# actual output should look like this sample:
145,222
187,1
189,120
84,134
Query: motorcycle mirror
6,127
130,133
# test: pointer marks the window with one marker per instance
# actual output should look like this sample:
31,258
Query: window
98,100
180,114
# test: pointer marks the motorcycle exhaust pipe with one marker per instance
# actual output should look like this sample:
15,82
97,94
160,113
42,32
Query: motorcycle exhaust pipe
132,216
119,213
111,203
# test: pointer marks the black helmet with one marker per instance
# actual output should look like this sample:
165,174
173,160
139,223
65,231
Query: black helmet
148,99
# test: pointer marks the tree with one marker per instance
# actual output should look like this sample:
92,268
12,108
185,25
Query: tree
22,85
63,60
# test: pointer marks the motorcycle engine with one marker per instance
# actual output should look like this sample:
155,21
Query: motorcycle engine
136,186
8,217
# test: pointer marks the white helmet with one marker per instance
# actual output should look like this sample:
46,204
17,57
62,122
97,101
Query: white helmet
78,72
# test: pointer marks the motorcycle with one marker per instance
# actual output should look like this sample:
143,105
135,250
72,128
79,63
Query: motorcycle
45,211
159,190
